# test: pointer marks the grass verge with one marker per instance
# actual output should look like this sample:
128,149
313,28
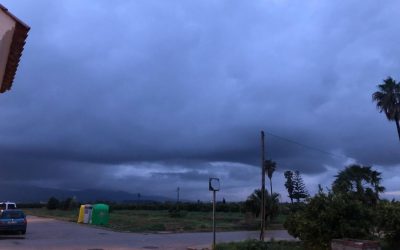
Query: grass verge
160,220
258,245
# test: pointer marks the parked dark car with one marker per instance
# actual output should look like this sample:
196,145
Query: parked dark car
13,221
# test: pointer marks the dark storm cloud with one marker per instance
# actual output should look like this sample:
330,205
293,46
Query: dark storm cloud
172,84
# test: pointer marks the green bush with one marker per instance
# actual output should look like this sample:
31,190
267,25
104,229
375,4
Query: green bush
329,216
68,204
53,203
350,210
389,222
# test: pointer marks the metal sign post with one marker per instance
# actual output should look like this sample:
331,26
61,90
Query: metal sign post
213,247
213,185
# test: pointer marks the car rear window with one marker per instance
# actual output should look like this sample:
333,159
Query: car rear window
12,215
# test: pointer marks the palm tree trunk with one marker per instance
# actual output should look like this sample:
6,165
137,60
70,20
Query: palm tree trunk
398,126
270,183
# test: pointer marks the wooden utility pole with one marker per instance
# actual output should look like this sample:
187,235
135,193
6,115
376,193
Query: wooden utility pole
262,187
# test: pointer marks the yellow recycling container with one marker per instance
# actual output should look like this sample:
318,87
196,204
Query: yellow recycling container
81,214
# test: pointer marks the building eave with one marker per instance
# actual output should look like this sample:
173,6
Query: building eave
16,49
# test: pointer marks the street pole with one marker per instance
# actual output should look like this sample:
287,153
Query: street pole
262,187
213,185
213,246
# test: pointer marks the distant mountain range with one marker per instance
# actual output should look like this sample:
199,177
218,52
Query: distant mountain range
28,194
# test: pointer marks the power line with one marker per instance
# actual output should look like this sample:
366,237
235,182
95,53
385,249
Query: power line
305,146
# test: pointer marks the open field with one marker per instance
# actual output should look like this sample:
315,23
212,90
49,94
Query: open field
160,220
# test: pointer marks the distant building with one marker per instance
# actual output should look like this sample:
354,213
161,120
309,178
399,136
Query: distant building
13,34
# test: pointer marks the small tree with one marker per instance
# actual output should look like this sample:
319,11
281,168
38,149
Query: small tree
253,204
289,184
299,188
68,203
53,203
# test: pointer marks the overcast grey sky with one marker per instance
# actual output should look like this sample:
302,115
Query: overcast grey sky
145,96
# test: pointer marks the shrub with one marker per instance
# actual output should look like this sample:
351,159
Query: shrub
53,203
389,222
253,204
350,210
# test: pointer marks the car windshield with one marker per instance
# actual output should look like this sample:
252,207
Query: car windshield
12,215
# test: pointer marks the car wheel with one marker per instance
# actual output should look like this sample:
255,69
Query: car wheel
23,231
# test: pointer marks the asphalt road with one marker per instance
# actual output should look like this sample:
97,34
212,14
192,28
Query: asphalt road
47,234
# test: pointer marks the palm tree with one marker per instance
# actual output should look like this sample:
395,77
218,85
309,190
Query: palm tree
253,204
361,182
388,100
270,167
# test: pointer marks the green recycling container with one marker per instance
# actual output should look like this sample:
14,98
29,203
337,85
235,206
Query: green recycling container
100,214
